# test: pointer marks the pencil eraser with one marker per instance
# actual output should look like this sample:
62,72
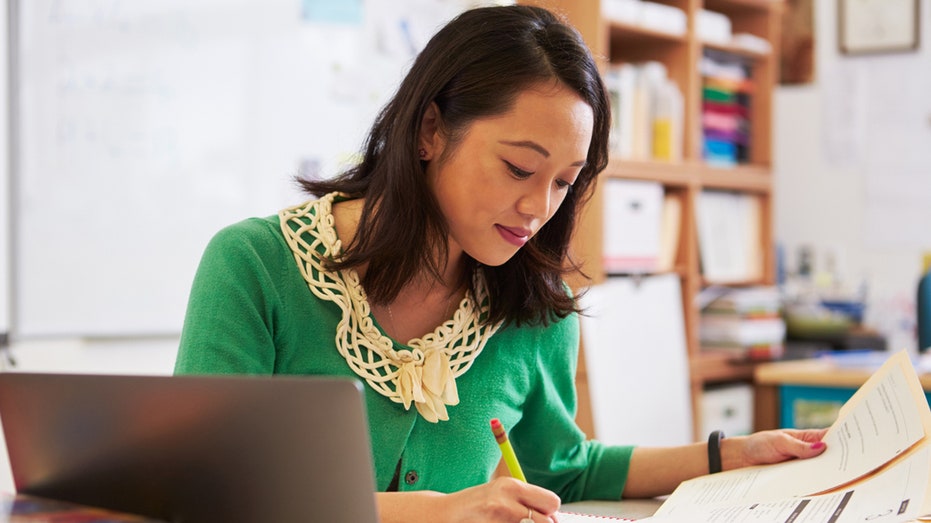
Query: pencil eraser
498,430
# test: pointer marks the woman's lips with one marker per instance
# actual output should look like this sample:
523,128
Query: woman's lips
514,235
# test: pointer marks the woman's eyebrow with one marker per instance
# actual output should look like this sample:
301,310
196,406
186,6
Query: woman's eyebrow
530,144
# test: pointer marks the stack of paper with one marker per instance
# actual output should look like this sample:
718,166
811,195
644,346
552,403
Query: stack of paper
747,321
726,90
876,466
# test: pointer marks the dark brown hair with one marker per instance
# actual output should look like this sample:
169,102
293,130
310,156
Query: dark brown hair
474,67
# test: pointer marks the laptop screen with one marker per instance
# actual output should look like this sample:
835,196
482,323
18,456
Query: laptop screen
193,448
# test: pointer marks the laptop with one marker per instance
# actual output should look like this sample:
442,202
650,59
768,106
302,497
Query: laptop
193,448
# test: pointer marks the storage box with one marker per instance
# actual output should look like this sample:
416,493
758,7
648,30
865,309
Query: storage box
807,406
728,408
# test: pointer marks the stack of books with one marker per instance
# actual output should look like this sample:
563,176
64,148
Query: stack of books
747,321
726,94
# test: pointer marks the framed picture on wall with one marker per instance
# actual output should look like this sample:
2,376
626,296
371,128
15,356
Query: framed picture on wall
878,26
797,45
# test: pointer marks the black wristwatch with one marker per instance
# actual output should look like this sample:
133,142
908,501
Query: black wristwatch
714,451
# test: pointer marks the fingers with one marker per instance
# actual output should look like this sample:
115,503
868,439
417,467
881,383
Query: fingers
542,502
805,449
527,502
809,435
535,517
774,446
805,443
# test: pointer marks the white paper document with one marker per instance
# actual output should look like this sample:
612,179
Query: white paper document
573,517
877,460
894,494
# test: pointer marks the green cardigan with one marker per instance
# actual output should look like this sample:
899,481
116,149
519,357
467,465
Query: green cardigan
251,312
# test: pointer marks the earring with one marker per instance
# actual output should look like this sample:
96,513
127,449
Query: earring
422,153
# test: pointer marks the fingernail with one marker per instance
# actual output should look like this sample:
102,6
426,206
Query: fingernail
818,445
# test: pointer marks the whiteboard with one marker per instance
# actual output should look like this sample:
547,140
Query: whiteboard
147,125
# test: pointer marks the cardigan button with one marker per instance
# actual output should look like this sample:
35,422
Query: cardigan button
411,477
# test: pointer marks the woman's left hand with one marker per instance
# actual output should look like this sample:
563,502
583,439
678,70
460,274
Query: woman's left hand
771,446
657,471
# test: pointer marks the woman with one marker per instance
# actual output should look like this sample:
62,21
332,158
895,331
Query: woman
433,271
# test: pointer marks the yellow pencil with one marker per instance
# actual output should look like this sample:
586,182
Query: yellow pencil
510,459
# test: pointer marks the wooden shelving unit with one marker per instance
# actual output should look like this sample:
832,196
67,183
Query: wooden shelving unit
616,42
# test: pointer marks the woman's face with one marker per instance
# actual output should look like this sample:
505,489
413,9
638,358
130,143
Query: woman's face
509,173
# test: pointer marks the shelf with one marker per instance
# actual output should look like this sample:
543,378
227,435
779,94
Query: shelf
740,284
736,51
742,5
630,33
617,42
667,173
748,178
720,366
634,44
678,270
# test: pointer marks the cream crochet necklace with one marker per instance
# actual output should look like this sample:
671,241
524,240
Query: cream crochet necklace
424,373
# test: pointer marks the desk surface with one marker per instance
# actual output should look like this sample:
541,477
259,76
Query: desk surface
844,372
826,372
28,509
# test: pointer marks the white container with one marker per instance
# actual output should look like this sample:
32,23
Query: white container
713,27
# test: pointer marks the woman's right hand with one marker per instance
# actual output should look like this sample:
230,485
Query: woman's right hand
502,500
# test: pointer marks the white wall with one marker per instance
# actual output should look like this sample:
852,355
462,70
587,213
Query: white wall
853,170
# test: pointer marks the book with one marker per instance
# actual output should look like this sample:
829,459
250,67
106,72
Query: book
727,87
669,231
746,322
621,81
877,461
647,112
730,236
761,300
741,331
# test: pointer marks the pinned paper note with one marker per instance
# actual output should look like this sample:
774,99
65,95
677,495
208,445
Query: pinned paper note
633,335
